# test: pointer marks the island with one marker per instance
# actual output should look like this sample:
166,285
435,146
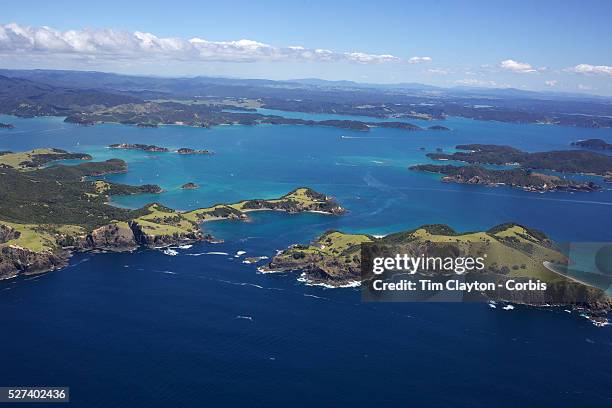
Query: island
569,161
137,146
514,252
189,186
50,212
593,144
518,178
6,126
186,150
438,127
202,115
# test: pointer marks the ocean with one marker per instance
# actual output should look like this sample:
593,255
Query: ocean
204,329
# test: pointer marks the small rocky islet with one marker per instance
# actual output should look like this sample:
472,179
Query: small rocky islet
189,186
157,149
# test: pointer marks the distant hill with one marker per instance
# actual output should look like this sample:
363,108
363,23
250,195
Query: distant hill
55,92
23,97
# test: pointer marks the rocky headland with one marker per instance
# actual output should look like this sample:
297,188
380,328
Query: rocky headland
68,211
514,252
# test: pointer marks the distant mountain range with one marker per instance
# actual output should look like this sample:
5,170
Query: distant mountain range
65,93
132,83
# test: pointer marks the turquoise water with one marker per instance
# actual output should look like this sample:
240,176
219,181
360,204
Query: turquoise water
165,329
366,172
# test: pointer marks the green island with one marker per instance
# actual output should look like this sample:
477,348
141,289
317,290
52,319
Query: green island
525,179
153,114
593,144
513,252
33,199
157,149
139,146
567,161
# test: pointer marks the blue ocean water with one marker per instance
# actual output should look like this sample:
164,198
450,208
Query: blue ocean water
147,329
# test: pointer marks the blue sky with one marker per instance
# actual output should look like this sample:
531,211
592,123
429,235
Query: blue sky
540,45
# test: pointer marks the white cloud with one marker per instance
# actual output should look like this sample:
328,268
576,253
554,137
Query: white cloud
584,87
551,83
519,67
438,71
369,58
591,69
475,82
18,40
418,60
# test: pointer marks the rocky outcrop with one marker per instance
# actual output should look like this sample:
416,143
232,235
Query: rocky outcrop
163,240
7,233
561,293
186,150
112,237
189,186
15,260
317,268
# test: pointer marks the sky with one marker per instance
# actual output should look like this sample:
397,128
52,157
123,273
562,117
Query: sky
539,45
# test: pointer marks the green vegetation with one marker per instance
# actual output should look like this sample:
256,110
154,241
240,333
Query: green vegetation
570,161
62,194
44,211
299,200
518,178
37,158
151,114
234,103
334,258
510,251
594,144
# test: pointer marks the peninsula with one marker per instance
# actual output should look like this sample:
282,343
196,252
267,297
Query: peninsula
514,252
49,212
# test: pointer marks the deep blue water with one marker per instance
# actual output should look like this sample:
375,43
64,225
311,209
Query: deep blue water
147,329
